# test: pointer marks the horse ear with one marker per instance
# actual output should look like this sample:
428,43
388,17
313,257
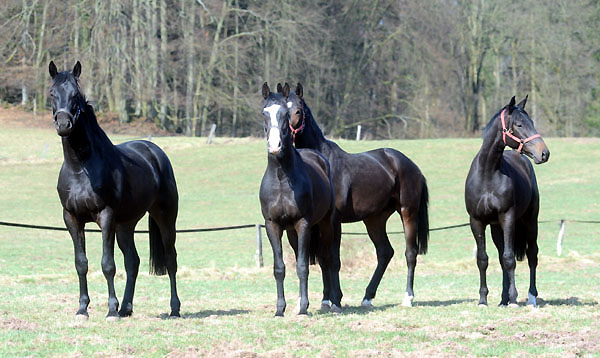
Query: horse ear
279,88
52,69
77,69
523,102
299,91
265,90
286,90
511,105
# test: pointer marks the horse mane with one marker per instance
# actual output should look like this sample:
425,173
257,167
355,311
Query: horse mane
311,122
486,129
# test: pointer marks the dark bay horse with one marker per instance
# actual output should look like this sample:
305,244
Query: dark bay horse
370,187
296,194
501,191
113,186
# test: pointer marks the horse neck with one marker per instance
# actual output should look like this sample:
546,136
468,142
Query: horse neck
286,164
492,149
311,137
86,143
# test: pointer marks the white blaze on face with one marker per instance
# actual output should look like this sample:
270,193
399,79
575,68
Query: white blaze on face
273,137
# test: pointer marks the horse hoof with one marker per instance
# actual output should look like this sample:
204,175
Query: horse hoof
278,314
175,315
325,306
81,317
407,301
335,309
367,304
513,305
112,318
482,305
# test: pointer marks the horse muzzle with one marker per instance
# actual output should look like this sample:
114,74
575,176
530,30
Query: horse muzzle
539,152
63,122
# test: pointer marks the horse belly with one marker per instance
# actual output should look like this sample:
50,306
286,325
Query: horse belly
362,199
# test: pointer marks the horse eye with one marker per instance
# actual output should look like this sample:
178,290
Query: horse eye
519,125
297,112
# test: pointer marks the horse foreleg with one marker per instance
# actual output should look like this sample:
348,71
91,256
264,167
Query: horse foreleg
478,230
303,230
508,255
329,259
274,233
107,223
81,263
385,252
131,260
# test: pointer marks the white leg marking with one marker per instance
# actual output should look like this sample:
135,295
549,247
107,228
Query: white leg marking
367,303
297,309
407,301
531,300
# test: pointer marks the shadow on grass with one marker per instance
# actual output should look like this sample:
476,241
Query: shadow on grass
438,303
208,313
571,301
365,310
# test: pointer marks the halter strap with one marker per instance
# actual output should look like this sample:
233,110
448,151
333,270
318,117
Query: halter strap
299,129
507,132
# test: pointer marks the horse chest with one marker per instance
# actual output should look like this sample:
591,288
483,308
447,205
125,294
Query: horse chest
281,203
78,197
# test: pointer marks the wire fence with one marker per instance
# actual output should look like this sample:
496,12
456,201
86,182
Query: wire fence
259,256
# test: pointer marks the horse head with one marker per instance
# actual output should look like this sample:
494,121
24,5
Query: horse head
276,118
66,98
518,132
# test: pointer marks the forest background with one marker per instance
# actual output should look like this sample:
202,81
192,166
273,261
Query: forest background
400,69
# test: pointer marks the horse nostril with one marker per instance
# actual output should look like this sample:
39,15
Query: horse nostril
545,155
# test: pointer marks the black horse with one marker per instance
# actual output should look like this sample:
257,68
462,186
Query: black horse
369,187
113,186
296,195
501,191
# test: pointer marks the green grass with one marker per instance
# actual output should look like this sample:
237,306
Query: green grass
228,303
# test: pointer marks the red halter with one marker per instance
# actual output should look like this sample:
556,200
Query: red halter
507,132
299,129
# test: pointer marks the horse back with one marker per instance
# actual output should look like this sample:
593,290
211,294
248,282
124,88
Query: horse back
148,177
371,182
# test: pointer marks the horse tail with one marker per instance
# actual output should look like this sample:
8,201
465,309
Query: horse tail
520,244
423,225
313,246
158,262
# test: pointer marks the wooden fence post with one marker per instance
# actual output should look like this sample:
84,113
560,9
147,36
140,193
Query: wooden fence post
212,133
559,240
259,254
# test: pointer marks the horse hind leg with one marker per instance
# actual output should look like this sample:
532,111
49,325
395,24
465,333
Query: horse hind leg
376,228
166,227
410,222
132,264
498,238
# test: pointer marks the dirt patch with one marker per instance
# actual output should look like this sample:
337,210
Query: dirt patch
16,324
109,122
233,349
584,341
371,326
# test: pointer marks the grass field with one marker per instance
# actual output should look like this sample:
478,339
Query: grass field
228,303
